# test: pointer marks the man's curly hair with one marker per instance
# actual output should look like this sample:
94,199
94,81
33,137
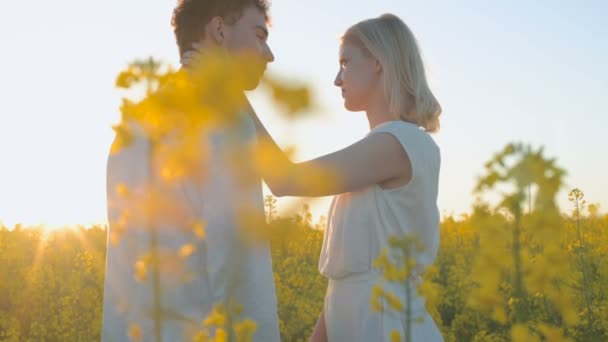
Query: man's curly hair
191,16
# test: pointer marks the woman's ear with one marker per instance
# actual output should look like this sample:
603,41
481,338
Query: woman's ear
378,66
215,30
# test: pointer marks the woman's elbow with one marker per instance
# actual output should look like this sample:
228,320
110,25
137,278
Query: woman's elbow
278,190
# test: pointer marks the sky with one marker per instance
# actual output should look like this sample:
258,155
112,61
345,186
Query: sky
503,71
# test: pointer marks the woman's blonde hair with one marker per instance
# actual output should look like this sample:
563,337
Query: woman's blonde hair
389,40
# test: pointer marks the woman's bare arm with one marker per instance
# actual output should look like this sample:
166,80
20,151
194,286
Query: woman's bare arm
374,159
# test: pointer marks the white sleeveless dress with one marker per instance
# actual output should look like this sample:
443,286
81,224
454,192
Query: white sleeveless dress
188,295
359,226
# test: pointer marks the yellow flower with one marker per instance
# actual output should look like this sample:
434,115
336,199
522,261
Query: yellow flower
187,250
520,332
217,317
199,230
393,301
395,336
244,330
377,298
135,333
141,270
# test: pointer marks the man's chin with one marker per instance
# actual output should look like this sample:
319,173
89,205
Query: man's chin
253,82
251,85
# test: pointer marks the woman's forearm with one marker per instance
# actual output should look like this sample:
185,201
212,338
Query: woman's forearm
284,178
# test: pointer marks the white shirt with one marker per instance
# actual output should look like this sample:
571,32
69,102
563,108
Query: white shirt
221,263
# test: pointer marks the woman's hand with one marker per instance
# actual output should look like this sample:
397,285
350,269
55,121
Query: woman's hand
189,56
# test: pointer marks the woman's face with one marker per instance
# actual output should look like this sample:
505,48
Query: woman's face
358,77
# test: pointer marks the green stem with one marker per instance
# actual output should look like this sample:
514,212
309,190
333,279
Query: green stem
583,268
154,254
518,281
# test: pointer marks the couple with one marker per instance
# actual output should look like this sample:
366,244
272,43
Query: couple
385,185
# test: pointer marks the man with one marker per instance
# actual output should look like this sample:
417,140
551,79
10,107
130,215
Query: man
223,267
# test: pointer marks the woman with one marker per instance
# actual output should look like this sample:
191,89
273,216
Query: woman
386,183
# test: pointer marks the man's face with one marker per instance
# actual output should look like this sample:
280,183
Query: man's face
248,37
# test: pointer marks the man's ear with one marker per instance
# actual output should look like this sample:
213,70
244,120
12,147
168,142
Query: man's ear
215,30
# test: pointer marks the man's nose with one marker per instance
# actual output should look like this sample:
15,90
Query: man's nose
269,55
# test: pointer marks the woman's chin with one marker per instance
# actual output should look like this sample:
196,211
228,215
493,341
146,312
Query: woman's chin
350,107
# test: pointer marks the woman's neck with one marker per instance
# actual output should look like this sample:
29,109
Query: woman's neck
378,114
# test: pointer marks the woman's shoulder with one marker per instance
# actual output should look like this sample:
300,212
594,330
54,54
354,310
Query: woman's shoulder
408,134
